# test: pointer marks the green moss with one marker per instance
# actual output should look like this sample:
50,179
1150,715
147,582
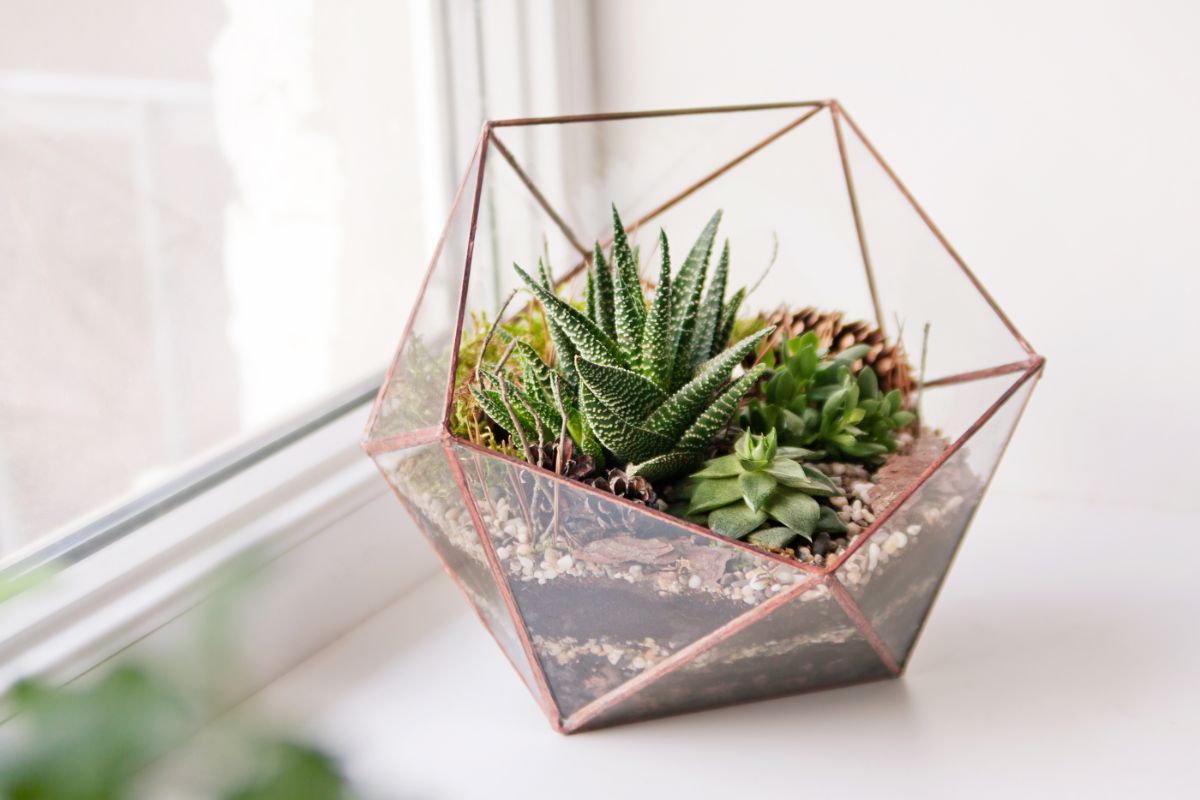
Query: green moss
467,419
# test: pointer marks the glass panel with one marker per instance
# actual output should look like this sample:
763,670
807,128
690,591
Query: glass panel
785,201
422,480
808,643
894,575
919,282
607,590
415,395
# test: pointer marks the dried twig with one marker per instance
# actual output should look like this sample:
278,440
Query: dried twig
562,428
504,356
512,415
921,385
771,263
487,339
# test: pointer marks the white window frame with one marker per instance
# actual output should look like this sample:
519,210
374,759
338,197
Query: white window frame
316,503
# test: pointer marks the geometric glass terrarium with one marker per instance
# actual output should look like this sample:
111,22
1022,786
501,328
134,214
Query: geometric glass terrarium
650,614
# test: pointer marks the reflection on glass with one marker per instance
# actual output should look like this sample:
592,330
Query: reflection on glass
201,236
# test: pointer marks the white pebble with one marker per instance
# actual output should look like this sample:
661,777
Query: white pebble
913,530
565,563
862,490
872,555
614,656
526,563
525,549
502,553
694,582
635,570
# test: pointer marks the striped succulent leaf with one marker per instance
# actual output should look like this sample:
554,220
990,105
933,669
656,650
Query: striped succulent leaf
717,415
689,285
585,337
728,316
656,360
685,405
648,383
704,341
626,440
629,307
622,390
603,282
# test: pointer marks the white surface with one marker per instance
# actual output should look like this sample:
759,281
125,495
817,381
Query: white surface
1053,666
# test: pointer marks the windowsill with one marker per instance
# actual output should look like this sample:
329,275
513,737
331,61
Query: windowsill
314,522
1016,683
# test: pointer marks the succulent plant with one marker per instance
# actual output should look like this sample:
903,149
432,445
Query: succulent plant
647,382
764,493
818,402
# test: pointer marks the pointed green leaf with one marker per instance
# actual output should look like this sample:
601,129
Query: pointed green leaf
822,480
802,477
795,510
714,493
717,415
589,294
723,467
668,465
603,282
491,403
535,373
756,488
629,307
709,318
627,441
777,538
528,405
735,521
656,355
829,522
689,285
685,405
868,384
625,392
852,354
728,317
585,337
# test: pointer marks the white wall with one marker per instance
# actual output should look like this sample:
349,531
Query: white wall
1056,145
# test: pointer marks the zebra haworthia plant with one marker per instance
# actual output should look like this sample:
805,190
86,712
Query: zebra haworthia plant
647,382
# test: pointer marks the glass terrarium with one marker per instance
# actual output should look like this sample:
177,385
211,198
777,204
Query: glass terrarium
611,611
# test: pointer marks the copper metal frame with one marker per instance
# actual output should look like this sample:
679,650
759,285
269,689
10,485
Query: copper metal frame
1028,369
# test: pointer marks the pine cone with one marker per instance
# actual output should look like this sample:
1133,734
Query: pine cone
576,466
887,359
637,488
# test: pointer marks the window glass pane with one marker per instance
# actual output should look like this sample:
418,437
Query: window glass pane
208,213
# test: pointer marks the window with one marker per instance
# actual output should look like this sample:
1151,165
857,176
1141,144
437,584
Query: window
213,220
